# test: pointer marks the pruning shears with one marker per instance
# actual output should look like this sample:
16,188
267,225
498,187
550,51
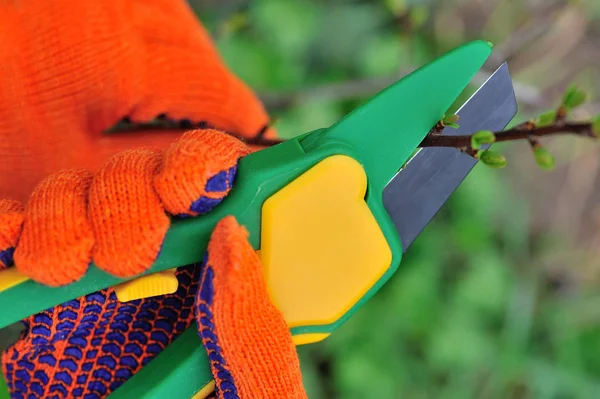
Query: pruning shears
331,213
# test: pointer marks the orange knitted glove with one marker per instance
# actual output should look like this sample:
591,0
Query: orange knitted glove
72,69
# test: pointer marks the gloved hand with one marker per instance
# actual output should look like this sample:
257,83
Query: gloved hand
74,69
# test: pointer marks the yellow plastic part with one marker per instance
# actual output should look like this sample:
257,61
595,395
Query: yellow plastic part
11,277
321,246
156,284
204,392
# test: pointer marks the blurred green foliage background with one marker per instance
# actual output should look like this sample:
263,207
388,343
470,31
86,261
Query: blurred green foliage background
499,297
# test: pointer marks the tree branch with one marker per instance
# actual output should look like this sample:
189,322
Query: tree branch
521,132
553,123
525,131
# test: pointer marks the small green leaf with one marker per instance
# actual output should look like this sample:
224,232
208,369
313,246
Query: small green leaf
482,137
449,120
546,119
492,159
573,98
596,125
543,158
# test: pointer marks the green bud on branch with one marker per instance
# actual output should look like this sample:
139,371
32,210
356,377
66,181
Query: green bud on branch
492,159
481,138
546,119
573,98
543,158
450,120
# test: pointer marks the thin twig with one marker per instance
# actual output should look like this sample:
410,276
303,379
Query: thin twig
520,132
524,131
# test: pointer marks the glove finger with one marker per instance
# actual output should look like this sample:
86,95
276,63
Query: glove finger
126,215
73,217
247,339
198,171
11,221
198,91
128,195
184,76
55,244
117,217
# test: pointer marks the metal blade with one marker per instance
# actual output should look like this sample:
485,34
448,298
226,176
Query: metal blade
415,195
